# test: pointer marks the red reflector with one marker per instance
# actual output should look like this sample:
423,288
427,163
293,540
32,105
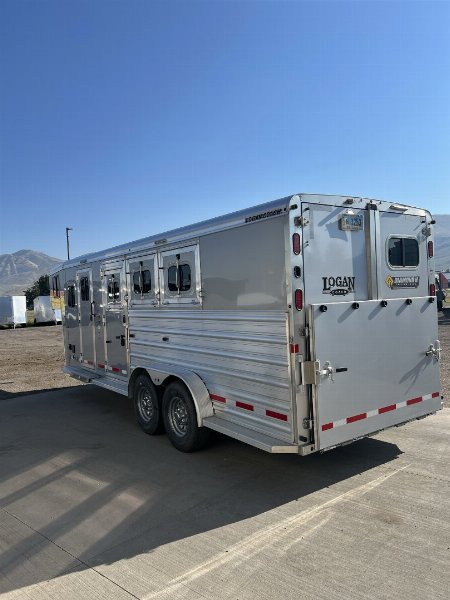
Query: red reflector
435,394
296,243
276,415
294,348
217,398
327,426
430,249
244,405
432,289
299,299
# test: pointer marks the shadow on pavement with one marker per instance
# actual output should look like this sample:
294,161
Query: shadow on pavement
76,471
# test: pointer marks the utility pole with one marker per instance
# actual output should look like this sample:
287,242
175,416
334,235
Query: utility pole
67,238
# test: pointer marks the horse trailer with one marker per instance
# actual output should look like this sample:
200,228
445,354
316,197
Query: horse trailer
295,326
44,311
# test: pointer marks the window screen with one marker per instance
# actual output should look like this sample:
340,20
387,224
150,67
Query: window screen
179,278
142,282
71,302
113,289
84,289
403,252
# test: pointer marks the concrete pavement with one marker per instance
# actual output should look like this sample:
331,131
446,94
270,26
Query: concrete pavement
91,507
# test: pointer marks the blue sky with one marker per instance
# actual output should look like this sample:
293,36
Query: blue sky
126,118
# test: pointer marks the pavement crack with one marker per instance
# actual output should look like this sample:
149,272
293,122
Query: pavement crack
76,558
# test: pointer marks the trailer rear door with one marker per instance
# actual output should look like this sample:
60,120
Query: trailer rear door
376,366
374,353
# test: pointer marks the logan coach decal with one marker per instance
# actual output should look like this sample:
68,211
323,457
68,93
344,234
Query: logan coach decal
338,286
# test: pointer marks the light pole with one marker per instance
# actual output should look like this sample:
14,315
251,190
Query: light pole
67,238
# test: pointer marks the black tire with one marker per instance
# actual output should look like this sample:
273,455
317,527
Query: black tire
147,406
180,419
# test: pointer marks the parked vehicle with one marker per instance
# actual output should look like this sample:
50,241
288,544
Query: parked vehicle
44,312
443,293
13,311
295,326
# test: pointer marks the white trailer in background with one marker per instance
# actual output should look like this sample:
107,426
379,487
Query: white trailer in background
13,311
43,311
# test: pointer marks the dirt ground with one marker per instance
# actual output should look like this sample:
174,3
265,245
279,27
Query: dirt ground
32,358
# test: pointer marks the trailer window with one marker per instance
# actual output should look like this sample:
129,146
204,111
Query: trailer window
113,289
179,278
142,282
403,252
84,289
71,300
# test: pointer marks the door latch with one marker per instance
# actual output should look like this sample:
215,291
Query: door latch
327,370
434,350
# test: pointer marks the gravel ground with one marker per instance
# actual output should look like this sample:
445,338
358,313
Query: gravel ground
32,358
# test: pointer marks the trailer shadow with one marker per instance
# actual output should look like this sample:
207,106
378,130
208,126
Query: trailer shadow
82,480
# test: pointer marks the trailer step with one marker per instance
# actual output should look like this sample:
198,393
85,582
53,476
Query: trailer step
115,385
81,374
259,440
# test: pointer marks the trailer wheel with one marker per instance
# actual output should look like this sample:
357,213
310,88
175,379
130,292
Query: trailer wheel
180,419
146,405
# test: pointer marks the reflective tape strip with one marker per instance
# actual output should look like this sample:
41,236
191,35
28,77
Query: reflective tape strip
378,411
276,415
217,398
244,405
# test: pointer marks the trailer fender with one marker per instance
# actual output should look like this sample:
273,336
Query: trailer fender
192,381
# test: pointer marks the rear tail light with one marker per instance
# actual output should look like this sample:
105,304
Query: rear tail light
432,289
296,243
430,249
299,299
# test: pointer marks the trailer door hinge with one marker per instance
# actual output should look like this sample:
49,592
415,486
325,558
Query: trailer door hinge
310,371
308,423
300,221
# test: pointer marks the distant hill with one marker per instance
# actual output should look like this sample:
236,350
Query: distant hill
22,268
442,242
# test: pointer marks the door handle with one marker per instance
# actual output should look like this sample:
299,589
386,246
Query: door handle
121,338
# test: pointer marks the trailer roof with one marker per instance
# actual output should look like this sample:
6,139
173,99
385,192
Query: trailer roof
242,217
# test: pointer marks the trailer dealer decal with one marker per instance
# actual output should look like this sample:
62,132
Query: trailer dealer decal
378,411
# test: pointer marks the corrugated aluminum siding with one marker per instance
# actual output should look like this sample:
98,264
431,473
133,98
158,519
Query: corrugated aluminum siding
242,356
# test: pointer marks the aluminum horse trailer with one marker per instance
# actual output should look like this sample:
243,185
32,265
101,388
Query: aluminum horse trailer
295,326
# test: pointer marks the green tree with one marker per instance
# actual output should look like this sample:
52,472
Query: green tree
41,287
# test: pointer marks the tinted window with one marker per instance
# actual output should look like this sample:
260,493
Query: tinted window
84,289
403,252
179,278
55,286
142,282
113,289
71,296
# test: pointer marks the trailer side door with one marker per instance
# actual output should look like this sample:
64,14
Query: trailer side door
115,298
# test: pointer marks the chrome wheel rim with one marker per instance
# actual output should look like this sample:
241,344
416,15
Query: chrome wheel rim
179,416
145,404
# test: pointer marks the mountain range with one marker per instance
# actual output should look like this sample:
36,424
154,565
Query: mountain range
20,270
